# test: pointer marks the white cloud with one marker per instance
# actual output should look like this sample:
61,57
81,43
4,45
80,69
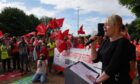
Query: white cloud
38,11
128,21
91,23
67,25
19,5
86,6
3,1
103,7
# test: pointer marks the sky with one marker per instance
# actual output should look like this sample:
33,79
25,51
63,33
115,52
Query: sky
76,12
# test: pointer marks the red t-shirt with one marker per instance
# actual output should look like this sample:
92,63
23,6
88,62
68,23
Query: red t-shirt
44,51
81,46
15,49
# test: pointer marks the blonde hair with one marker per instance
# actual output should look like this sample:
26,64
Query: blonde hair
115,20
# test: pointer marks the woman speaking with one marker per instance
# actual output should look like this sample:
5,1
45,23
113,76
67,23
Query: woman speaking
113,53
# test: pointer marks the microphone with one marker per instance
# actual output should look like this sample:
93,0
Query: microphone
100,33
90,41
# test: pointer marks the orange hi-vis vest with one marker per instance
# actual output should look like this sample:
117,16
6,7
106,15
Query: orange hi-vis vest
138,50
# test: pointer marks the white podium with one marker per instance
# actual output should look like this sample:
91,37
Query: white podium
77,73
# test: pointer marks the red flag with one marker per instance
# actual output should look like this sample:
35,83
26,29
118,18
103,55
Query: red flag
29,34
70,36
80,31
53,35
52,24
26,35
60,36
1,34
62,46
41,29
40,33
56,23
59,22
32,33
66,32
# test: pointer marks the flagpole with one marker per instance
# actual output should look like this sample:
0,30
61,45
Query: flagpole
78,9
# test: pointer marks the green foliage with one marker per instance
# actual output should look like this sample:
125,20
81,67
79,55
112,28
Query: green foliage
16,22
45,20
128,3
133,5
134,27
136,10
34,22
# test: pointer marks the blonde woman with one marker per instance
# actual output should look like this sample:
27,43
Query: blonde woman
113,53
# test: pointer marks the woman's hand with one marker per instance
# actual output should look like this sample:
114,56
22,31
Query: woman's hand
91,78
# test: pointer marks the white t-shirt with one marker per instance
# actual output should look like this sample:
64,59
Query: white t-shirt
41,66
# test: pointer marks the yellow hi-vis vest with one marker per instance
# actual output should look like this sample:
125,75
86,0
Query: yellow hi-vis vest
52,46
4,52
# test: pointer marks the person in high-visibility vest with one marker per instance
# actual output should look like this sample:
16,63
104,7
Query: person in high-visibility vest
4,57
138,61
51,46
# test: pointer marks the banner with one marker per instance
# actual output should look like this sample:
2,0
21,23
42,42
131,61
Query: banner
69,57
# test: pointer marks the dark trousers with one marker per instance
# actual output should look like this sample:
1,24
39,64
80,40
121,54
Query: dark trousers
50,63
24,62
16,61
6,63
138,69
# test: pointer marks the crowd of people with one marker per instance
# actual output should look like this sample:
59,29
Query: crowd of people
117,53
23,52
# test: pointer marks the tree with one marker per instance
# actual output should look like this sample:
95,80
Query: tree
45,19
34,22
133,5
16,22
134,27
